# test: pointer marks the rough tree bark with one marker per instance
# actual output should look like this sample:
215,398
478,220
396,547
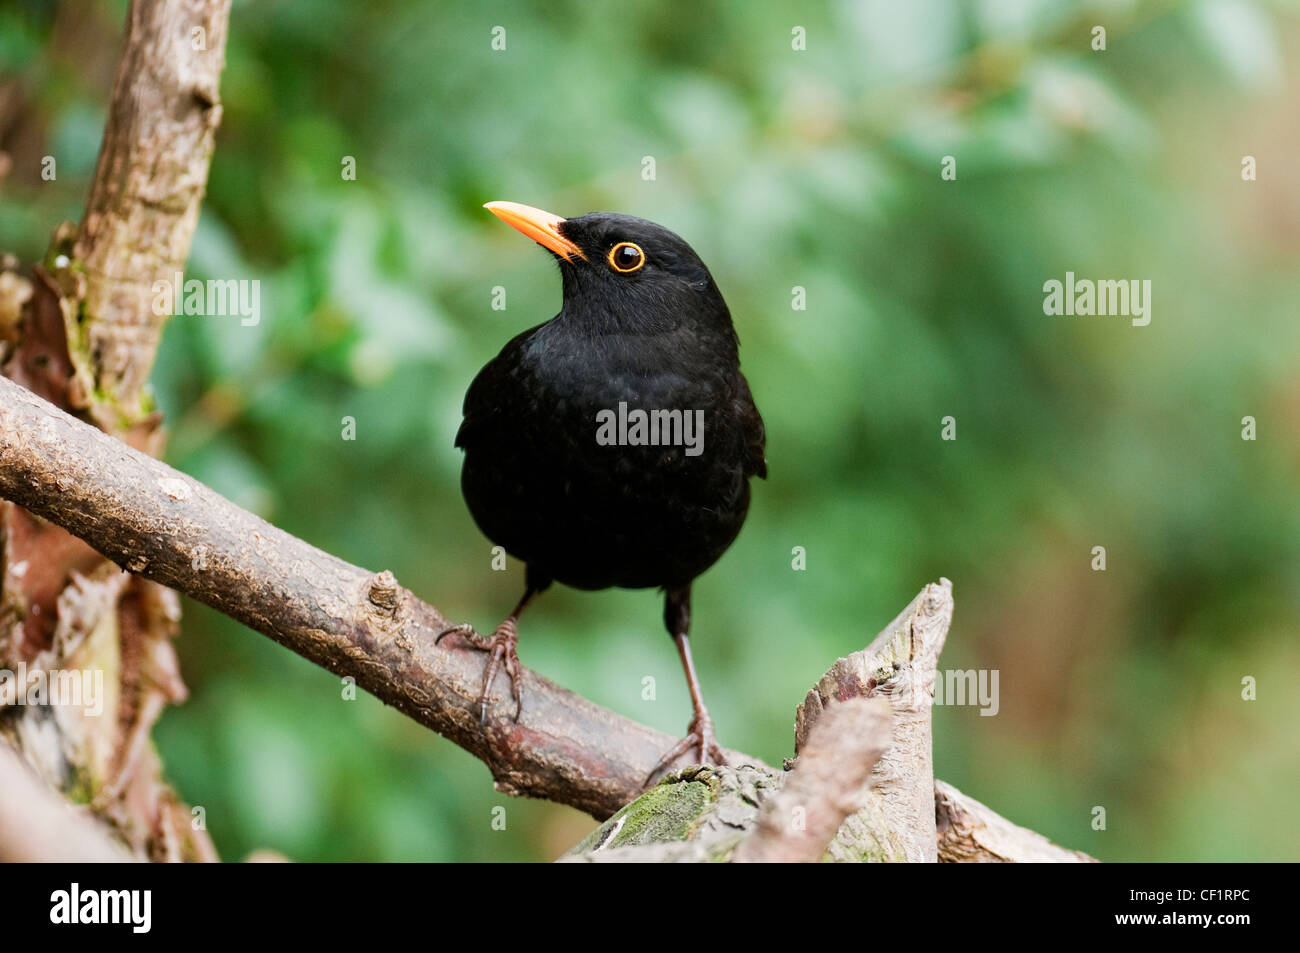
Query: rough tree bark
80,331
148,188
740,814
827,785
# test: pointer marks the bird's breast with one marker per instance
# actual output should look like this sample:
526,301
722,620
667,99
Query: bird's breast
605,469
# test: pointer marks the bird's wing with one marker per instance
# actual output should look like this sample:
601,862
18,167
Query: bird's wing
492,393
754,430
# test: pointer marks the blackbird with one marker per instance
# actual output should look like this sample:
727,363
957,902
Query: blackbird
613,444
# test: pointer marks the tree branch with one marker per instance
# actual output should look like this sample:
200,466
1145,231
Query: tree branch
148,187
161,524
82,332
717,814
825,787
899,666
970,832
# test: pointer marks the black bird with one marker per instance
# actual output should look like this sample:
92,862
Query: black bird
613,444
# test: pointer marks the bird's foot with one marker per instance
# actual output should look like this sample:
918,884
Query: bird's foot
698,736
464,629
502,645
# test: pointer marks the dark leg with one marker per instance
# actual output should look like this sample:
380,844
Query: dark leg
677,617
502,645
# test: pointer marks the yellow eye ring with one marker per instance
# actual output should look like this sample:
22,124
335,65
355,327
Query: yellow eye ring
626,257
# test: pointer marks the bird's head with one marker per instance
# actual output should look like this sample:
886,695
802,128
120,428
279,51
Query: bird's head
623,273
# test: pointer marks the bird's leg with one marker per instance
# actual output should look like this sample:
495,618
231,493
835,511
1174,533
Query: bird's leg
502,644
700,733
677,613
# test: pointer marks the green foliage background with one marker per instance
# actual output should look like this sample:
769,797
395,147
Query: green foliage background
818,168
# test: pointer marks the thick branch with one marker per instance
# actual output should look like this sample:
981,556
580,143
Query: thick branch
970,832
166,526
825,787
149,183
898,666
709,815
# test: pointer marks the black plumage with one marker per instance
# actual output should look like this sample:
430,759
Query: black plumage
644,328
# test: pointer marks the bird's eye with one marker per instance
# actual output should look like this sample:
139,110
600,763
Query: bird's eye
626,257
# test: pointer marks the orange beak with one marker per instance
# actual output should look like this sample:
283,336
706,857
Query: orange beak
541,227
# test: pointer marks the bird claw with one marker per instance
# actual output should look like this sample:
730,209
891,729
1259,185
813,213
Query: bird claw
699,736
502,645
463,629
